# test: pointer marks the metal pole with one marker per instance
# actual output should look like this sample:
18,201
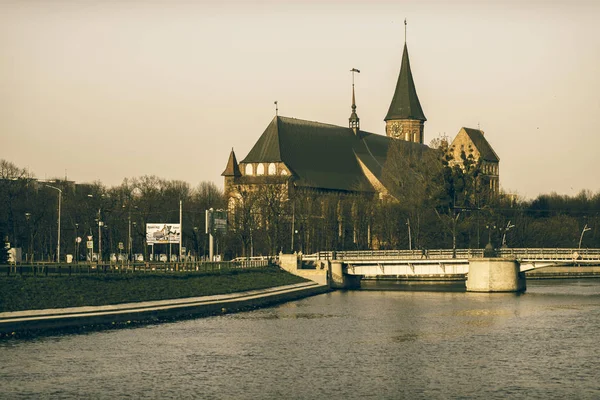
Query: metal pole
409,235
585,229
180,228
59,209
99,238
293,224
129,236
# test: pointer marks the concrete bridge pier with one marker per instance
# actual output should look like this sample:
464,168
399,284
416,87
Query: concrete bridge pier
495,275
338,279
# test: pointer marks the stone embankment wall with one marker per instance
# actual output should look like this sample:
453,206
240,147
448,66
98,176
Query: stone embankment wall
151,311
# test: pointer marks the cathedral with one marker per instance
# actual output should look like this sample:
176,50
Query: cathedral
297,154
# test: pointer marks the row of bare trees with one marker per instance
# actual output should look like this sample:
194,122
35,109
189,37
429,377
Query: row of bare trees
29,214
441,206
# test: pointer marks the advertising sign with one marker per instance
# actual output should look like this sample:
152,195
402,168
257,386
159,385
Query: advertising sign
220,222
162,233
216,221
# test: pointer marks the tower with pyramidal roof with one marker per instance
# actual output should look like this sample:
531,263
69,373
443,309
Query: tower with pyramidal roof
405,119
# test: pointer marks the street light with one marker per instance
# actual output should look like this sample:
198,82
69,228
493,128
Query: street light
77,241
59,208
197,243
30,251
508,227
585,229
100,223
489,248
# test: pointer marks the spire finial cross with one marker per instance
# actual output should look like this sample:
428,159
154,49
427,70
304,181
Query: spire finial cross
404,30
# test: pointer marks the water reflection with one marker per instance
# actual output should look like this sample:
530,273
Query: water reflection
354,344
414,286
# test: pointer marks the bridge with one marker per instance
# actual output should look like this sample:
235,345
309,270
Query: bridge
442,264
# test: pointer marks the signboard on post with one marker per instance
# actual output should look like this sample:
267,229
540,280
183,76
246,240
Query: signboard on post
216,222
163,233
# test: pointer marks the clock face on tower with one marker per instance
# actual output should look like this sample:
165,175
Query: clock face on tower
396,130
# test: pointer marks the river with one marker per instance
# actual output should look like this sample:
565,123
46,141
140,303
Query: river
380,344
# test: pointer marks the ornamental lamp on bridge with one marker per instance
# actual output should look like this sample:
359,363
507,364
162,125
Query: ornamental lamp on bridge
489,250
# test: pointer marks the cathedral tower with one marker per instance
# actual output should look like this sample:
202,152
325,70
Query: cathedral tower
405,119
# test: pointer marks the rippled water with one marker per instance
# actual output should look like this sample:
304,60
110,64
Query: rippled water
353,345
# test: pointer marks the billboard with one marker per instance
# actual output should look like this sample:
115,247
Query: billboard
161,233
216,221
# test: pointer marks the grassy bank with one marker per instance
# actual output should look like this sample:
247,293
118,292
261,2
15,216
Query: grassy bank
29,292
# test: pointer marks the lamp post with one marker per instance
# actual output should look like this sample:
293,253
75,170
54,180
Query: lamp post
197,243
134,223
409,235
585,229
59,209
100,223
129,236
29,257
489,249
508,227
77,241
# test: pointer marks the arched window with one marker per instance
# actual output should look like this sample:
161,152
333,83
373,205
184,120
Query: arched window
260,170
283,172
249,169
272,169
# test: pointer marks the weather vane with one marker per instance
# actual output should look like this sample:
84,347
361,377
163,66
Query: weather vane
353,70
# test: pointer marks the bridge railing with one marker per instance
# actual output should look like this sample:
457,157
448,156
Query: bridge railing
551,254
520,254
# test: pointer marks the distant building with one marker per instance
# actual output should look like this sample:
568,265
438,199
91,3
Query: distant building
474,145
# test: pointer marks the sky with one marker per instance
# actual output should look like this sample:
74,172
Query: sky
107,90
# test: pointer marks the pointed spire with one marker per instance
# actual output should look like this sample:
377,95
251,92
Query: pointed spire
354,121
405,103
232,169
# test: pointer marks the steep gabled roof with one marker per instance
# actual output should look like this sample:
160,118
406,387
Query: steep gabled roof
324,156
267,148
318,155
405,103
232,168
480,142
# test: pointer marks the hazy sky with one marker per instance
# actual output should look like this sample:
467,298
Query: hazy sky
106,90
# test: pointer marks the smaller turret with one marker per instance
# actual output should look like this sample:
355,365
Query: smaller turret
354,121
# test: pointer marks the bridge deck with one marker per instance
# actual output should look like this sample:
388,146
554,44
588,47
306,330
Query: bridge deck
449,262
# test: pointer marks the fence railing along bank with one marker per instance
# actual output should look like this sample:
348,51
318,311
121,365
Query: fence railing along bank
54,269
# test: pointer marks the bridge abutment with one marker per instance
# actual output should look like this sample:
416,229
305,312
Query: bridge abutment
339,279
495,275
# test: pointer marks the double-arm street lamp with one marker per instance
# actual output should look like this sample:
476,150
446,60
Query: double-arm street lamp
59,209
585,229
508,227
